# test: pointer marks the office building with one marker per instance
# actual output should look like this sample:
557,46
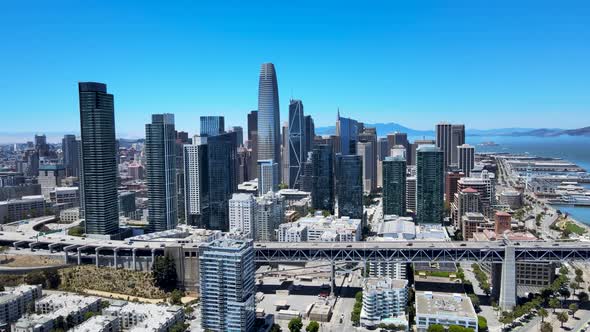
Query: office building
484,183
444,309
394,186
398,151
285,154
239,134
196,182
382,148
242,214
429,186
127,207
269,135
321,229
71,155
383,298
41,145
296,143
160,152
226,268
253,143
451,180
398,138
347,132
99,164
365,150
457,139
466,158
212,125
15,301
65,196
502,222
270,213
24,208
50,177
268,176
470,223
222,167
322,187
414,149
309,133
444,142
349,186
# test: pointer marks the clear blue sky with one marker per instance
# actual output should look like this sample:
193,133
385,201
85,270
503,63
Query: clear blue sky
488,64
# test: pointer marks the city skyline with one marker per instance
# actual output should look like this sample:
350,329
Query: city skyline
441,64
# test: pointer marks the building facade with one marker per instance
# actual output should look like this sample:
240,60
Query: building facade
349,186
394,186
429,186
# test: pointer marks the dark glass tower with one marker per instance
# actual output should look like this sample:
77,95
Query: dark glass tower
71,155
394,186
269,129
160,152
430,186
322,191
99,165
212,125
347,131
296,144
222,157
253,143
309,133
349,186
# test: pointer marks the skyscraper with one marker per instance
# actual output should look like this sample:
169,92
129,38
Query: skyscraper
349,186
457,139
269,135
429,187
160,152
71,156
268,176
212,125
309,133
383,148
239,134
296,143
322,191
41,145
196,182
466,158
222,158
369,135
242,214
253,143
99,166
270,213
444,141
365,150
399,138
394,186
347,132
227,285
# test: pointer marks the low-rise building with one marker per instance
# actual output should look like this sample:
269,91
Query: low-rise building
444,309
24,208
383,298
99,323
470,221
320,229
69,215
144,317
14,302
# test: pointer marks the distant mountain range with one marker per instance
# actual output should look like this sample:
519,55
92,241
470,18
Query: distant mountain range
386,128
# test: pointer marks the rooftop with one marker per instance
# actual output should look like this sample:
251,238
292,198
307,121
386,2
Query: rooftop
383,283
444,304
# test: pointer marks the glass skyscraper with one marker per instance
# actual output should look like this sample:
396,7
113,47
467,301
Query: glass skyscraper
296,144
347,131
71,156
269,130
349,186
394,186
160,152
222,158
322,191
429,187
212,125
196,182
99,165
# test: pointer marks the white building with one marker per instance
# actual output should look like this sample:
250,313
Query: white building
242,214
69,215
383,298
144,317
195,178
270,213
14,302
396,228
99,324
320,229
411,193
444,309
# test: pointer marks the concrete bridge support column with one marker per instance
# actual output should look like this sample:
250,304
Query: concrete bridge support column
133,258
333,279
97,251
508,290
115,250
153,257
79,256
496,280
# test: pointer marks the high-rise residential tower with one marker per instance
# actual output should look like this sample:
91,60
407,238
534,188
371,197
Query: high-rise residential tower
268,176
227,285
196,182
269,135
212,125
349,186
429,186
71,155
394,185
99,165
322,191
223,175
296,143
242,214
160,152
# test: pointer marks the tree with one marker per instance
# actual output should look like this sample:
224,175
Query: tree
565,293
482,324
573,308
313,326
164,273
35,278
506,318
176,297
52,279
179,327
562,317
4,250
583,296
546,327
89,315
579,273
579,279
543,313
295,324
276,328
436,328
563,270
574,285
